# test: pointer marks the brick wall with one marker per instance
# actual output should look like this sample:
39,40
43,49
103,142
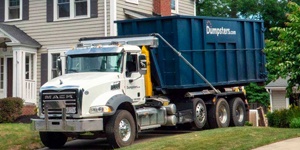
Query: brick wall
28,109
162,7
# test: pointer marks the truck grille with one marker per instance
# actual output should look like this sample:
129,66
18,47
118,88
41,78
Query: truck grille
68,97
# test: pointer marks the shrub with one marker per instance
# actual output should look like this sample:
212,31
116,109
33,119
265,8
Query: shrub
295,123
247,123
282,118
10,109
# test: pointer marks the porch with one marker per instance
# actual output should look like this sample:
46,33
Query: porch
18,64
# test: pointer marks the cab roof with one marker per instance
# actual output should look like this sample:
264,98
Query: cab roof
104,49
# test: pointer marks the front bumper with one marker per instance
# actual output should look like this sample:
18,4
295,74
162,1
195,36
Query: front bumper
68,125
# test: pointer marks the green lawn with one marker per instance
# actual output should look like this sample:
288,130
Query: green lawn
239,138
19,136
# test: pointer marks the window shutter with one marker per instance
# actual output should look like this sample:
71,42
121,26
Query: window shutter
44,68
49,10
25,10
94,8
2,10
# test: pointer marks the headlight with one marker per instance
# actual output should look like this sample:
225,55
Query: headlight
100,109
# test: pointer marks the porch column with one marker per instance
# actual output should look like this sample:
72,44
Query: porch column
18,71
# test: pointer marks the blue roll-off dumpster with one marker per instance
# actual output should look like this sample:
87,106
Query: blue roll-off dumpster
228,52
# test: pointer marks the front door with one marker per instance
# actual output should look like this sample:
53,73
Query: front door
9,76
135,85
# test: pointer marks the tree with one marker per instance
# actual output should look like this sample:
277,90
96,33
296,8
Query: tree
283,52
258,94
271,11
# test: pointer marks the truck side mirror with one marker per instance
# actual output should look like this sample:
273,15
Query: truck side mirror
142,64
58,66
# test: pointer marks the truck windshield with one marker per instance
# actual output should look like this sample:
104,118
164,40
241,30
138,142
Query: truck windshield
108,62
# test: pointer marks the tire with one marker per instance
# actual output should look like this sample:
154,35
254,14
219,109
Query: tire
199,114
53,140
120,129
219,115
238,112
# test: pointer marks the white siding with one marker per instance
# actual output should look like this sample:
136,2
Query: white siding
144,6
59,33
278,100
186,7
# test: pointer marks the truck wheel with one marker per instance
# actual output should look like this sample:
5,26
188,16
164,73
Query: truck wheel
53,139
120,129
219,115
199,113
238,112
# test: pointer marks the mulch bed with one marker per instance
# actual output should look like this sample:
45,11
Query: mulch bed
26,118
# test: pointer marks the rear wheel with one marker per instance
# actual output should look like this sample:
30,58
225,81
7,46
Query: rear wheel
219,115
199,113
53,139
238,112
120,129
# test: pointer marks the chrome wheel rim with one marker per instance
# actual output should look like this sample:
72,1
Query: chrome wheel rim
239,113
200,112
124,129
223,114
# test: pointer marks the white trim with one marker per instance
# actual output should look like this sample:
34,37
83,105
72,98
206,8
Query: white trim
6,19
287,103
105,18
113,17
195,8
132,1
72,11
276,88
176,11
271,99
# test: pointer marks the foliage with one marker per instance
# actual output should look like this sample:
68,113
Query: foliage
283,118
295,123
247,123
10,109
283,53
271,11
257,94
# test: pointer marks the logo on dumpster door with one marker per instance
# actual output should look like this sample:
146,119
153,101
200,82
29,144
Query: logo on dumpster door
218,31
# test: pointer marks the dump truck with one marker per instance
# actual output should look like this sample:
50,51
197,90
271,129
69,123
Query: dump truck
158,72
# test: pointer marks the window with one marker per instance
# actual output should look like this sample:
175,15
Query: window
54,73
29,67
70,9
13,9
1,72
174,6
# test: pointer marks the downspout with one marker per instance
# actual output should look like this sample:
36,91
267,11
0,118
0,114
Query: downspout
105,18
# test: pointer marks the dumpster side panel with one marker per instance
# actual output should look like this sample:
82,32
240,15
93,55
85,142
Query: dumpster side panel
228,52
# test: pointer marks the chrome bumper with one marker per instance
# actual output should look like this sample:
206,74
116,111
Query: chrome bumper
68,125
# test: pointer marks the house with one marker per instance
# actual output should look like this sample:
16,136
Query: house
34,33
278,98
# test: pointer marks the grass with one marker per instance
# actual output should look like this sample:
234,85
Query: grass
235,138
19,136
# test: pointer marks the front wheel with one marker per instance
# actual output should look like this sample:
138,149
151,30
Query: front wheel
120,129
53,139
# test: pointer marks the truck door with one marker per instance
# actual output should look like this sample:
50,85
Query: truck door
134,82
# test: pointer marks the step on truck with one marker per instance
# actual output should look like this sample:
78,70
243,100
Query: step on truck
163,71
